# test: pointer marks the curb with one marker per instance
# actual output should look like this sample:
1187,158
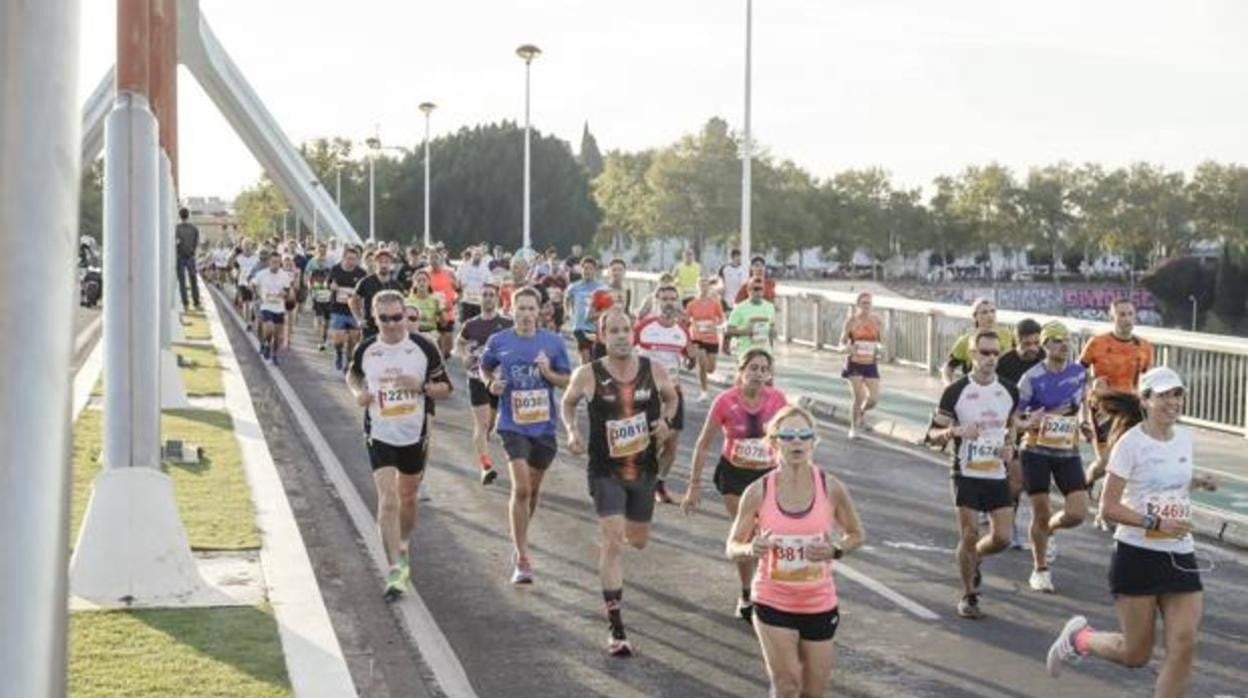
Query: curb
314,659
1207,522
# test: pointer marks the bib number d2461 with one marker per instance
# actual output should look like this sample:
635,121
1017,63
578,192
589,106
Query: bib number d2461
530,406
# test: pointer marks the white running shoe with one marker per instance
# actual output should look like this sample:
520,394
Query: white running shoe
423,493
523,572
1041,580
1062,651
852,434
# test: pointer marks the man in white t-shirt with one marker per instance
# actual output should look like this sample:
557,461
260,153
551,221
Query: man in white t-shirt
665,341
394,375
733,276
471,278
273,287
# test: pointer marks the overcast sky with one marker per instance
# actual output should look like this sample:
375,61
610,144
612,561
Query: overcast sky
916,86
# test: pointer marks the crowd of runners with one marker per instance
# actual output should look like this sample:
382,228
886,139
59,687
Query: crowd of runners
538,335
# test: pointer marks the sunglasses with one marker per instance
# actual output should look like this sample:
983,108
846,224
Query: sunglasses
413,318
795,434
398,317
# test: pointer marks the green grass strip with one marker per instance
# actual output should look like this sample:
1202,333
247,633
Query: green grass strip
183,652
213,498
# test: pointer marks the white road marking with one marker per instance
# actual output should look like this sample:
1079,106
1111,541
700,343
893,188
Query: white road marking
887,592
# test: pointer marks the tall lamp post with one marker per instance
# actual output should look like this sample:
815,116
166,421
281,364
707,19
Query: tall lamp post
427,108
747,145
374,144
527,52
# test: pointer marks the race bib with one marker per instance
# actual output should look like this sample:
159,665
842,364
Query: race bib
275,298
394,402
789,563
345,294
472,296
627,437
321,295
750,453
530,406
761,332
1058,432
704,327
864,351
1167,507
984,454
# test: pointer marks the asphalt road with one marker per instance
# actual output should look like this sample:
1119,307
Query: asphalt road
548,639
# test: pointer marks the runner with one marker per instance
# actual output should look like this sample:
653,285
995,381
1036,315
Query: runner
976,413
533,363
383,278
429,304
705,314
1153,571
470,279
789,521
740,413
758,271
578,301
631,404
442,282
861,337
469,344
344,326
318,287
395,376
753,322
245,259
293,301
732,276
984,312
1049,398
666,342
273,287
687,275
1010,369
621,297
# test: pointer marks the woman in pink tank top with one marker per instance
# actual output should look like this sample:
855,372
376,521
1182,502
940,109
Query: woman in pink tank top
795,521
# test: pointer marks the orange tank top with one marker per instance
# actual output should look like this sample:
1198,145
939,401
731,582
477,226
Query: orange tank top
864,340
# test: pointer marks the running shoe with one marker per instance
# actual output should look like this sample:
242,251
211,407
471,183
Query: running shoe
488,476
405,566
852,434
1063,651
423,493
660,493
320,347
273,358
704,397
523,572
968,607
395,583
619,647
1041,580
745,610
264,350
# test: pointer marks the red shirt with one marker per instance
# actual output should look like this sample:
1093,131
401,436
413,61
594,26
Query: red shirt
769,290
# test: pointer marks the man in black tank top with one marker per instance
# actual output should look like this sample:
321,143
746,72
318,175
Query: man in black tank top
631,404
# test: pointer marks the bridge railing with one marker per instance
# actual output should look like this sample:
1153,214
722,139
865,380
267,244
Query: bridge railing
920,333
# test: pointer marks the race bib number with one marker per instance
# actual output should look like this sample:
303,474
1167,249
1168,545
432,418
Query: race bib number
704,327
864,351
984,454
275,297
321,295
1057,431
345,294
751,453
1167,507
394,402
627,437
472,296
789,563
530,406
761,332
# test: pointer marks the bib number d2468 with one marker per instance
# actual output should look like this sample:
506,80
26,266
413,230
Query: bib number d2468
1057,431
530,406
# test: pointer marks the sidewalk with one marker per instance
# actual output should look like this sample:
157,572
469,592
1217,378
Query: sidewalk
908,397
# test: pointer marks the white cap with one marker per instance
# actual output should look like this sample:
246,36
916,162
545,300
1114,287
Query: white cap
1160,380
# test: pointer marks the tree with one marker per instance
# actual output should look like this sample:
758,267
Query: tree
986,197
697,186
1044,206
625,197
91,202
590,157
256,208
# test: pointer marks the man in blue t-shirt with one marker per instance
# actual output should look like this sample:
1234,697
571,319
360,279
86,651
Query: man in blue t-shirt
578,299
1050,395
523,366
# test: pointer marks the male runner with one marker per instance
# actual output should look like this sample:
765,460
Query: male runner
273,287
984,312
620,296
732,275
246,259
577,300
1050,396
395,375
344,326
752,323
532,363
662,339
470,344
976,413
382,279
631,404
687,273
1010,369
442,282
471,278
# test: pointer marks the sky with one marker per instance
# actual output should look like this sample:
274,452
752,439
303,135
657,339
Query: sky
918,87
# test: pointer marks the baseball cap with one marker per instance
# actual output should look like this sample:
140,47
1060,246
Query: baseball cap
1160,380
1053,330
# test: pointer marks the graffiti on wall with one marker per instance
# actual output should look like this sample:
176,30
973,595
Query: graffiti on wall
1082,303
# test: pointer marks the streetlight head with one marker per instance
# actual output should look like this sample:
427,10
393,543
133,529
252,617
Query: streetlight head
427,107
528,52
373,142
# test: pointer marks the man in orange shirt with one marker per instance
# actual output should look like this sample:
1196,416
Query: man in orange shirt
442,282
705,315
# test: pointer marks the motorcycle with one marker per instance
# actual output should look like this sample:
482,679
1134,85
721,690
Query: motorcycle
90,274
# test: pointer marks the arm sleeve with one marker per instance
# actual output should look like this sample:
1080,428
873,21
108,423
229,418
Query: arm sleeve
560,362
1121,458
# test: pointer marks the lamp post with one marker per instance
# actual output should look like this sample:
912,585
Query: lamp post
747,144
527,52
315,212
427,108
374,144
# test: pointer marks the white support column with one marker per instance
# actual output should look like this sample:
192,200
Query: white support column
172,389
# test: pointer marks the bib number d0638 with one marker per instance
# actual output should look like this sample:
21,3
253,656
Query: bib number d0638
530,406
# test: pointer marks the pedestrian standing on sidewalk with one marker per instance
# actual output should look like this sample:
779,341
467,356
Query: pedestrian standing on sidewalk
187,236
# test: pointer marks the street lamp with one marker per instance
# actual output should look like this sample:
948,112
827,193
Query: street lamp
315,212
527,52
374,144
747,144
427,108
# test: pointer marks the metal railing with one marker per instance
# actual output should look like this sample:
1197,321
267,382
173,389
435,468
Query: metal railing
920,333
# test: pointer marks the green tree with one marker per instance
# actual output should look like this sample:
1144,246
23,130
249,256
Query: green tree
625,197
697,186
257,207
590,157
91,202
1044,207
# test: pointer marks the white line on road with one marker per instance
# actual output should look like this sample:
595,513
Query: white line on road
887,592
422,628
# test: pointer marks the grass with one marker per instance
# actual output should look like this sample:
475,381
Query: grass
184,652
213,498
201,378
